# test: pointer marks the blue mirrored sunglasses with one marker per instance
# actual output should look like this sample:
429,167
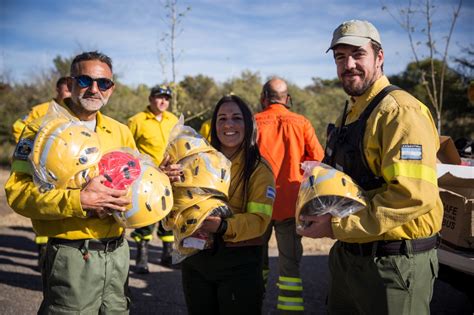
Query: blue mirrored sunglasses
86,81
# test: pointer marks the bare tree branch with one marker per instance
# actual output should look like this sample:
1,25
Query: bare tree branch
406,23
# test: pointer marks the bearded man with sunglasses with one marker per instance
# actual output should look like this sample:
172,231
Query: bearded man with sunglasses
87,259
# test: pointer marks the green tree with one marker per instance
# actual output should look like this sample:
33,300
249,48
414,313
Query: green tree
458,113
248,86
321,104
432,81
199,95
62,65
126,102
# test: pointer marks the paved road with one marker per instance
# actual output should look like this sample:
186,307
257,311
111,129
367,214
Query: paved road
160,291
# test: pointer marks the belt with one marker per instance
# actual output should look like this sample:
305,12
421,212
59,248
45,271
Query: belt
385,248
104,244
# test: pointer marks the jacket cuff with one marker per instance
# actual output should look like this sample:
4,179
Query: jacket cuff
76,205
336,228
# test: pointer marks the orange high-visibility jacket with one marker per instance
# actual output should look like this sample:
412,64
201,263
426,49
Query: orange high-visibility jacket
285,140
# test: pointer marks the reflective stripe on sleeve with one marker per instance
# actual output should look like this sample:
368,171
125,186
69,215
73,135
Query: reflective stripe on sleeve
417,171
256,207
21,167
290,303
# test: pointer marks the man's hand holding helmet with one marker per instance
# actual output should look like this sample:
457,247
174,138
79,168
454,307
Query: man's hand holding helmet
317,226
100,200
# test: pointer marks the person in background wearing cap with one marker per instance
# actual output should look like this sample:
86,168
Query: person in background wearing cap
285,140
385,260
37,111
151,129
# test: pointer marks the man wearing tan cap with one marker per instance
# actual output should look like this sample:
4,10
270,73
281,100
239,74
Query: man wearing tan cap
385,259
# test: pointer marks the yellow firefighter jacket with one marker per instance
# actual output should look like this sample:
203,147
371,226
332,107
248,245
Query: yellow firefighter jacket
36,112
253,212
150,134
400,144
58,212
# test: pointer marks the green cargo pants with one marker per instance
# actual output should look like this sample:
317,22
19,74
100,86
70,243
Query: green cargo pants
96,283
394,284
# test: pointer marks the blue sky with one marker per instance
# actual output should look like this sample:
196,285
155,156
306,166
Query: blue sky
219,39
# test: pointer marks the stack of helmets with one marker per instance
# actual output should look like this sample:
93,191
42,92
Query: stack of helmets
203,189
327,190
148,187
65,154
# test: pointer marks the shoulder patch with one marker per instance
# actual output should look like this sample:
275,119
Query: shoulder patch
271,193
23,149
411,152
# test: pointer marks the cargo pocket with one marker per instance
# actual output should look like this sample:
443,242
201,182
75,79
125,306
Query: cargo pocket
434,270
396,272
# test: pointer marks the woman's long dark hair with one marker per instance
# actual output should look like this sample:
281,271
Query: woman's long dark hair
249,146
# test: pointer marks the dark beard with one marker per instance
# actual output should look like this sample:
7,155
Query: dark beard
356,91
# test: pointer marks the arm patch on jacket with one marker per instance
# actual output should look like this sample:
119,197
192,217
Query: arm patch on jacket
23,149
271,193
411,152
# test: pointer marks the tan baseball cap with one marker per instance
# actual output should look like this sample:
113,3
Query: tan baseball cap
355,33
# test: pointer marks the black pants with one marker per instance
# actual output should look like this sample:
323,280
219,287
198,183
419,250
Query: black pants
227,281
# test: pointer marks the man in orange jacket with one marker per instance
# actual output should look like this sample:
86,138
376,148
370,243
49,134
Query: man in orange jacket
285,140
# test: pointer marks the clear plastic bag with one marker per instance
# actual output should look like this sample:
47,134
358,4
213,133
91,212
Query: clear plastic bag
206,170
189,239
148,187
184,141
65,151
327,190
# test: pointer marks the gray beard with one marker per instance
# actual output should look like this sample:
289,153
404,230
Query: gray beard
92,105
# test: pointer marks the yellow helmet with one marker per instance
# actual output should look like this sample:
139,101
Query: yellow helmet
151,196
168,222
186,144
65,152
186,197
121,168
206,170
327,190
189,220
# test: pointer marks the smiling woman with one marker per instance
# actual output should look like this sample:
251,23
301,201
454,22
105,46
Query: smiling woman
227,279
230,128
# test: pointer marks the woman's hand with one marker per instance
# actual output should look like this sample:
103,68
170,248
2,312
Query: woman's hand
211,224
